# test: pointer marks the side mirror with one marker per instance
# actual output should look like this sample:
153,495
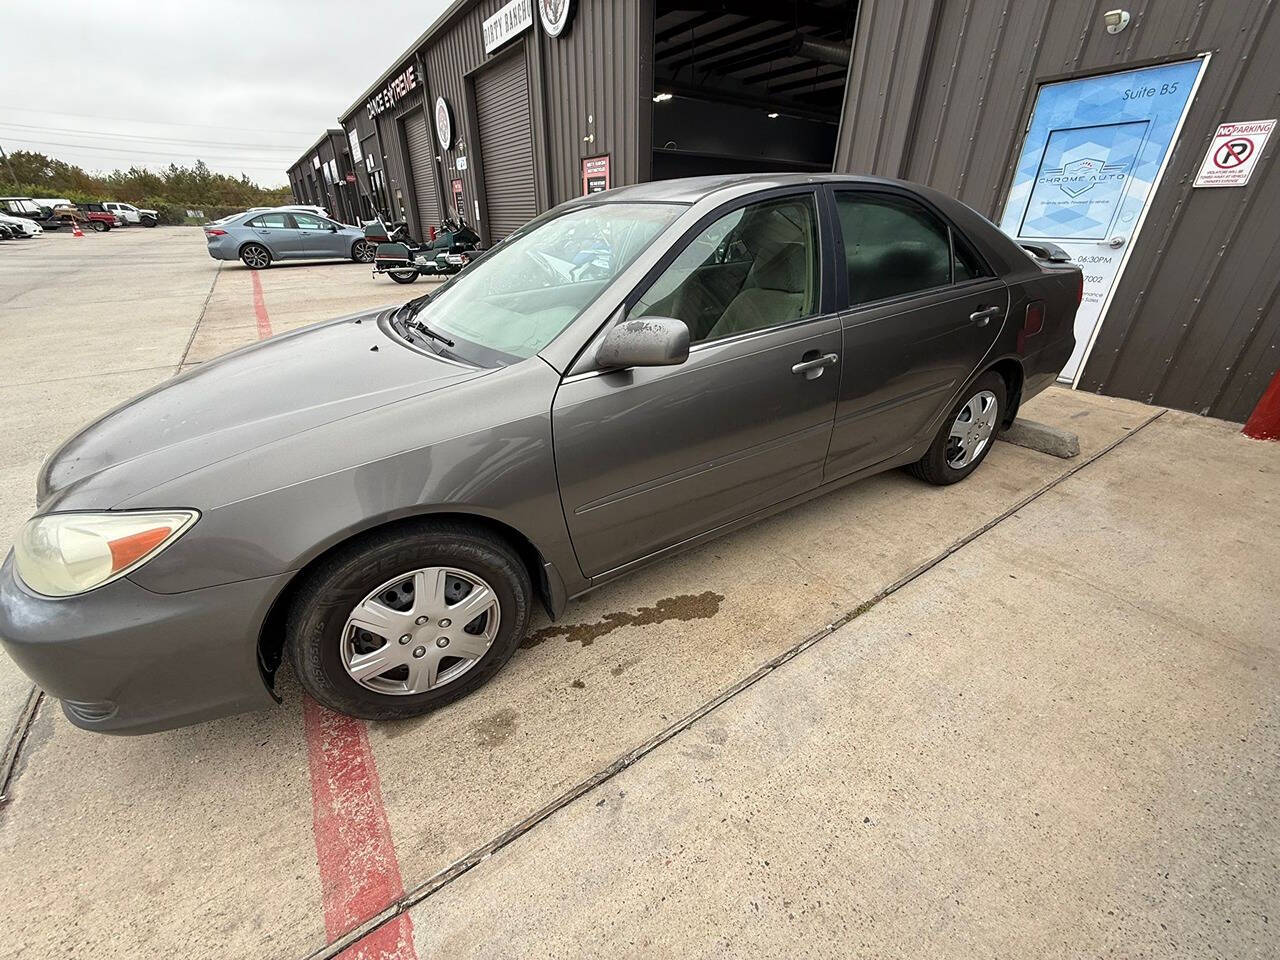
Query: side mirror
644,342
332,228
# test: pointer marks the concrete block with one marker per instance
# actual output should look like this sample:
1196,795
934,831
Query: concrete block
1046,439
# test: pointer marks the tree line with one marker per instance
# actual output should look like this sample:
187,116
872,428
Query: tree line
171,190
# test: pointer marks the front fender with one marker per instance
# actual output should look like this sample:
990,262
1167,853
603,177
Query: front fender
481,447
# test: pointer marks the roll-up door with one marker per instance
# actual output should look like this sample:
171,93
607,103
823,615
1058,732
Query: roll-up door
506,147
422,168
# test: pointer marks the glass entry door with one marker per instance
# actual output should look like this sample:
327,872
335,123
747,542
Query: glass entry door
1093,155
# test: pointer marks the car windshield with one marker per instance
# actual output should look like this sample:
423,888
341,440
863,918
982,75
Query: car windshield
536,282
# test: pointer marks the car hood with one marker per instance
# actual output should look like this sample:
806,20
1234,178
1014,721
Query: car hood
255,396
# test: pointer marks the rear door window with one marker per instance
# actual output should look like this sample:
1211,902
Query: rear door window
276,221
893,246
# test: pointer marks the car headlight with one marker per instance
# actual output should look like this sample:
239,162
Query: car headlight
62,554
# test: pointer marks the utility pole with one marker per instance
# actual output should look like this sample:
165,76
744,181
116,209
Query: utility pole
4,156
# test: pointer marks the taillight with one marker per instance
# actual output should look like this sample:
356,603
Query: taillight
215,233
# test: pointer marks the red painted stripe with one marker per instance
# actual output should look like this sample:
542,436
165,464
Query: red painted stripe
359,872
1264,422
260,308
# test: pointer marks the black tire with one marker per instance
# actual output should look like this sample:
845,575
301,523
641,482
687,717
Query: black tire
318,614
99,226
258,254
362,251
403,276
933,466
149,221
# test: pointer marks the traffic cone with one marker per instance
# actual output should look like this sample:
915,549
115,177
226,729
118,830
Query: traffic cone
75,229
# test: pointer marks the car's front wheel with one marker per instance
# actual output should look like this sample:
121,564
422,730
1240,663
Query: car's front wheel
149,221
362,251
407,620
255,256
967,433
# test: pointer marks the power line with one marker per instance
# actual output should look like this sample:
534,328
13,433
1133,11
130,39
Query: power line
130,136
93,147
164,123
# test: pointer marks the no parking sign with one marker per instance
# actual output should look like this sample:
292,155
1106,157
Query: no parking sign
1233,153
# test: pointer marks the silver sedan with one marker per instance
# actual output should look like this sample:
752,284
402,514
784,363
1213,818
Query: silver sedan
259,237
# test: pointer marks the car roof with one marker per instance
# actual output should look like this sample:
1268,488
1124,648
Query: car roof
695,189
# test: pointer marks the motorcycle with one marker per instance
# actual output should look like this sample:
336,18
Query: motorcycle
403,259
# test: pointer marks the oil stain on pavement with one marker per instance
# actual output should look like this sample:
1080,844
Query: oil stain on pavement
686,606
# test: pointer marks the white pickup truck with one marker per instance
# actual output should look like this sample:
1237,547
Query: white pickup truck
131,214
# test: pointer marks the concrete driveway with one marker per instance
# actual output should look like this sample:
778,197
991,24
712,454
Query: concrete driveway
1031,714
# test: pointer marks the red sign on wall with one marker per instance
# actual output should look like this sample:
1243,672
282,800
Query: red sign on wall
595,174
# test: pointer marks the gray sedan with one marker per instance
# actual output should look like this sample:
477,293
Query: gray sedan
380,499
259,237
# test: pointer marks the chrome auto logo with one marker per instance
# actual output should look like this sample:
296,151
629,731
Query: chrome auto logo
1081,176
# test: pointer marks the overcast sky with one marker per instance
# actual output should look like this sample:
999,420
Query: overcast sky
245,86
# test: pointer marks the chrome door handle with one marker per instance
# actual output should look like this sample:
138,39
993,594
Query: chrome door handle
983,317
812,369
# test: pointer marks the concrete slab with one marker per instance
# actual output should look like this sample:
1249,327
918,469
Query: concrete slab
1058,742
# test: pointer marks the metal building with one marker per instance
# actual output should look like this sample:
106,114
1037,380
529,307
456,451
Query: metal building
1077,122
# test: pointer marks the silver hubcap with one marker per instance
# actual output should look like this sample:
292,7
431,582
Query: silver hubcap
255,257
364,252
420,631
972,430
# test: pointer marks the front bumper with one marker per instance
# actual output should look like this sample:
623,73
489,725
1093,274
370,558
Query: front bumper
125,660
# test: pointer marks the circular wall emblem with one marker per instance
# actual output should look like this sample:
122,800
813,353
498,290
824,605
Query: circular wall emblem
444,123
555,15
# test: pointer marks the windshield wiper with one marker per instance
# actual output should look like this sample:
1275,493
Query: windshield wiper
426,331
408,310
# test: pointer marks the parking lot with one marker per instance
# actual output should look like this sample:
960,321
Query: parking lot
1032,714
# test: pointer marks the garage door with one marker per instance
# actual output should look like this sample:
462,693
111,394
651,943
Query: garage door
422,169
506,147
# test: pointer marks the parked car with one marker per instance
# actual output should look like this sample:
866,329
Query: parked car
9,232
27,208
258,239
131,214
24,228
381,498
97,216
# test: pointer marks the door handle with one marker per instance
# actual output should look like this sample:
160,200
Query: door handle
812,369
983,317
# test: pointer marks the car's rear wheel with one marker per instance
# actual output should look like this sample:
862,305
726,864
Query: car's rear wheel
99,226
255,256
967,433
408,620
362,251
403,276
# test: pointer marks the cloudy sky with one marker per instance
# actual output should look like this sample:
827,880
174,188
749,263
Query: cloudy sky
245,86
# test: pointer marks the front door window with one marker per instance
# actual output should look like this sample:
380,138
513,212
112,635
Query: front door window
754,268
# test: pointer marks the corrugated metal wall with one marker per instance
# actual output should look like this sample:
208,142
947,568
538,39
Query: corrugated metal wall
603,70
594,79
940,92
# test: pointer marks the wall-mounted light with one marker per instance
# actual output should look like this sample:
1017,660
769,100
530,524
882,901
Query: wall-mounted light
662,97
1116,20
773,116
